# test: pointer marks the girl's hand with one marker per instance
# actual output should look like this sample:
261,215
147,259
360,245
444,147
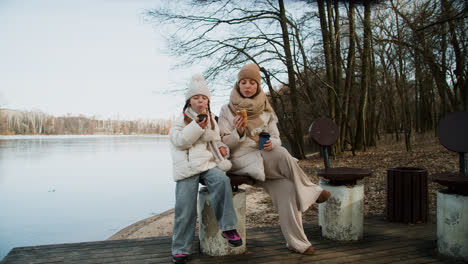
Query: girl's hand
223,152
203,124
238,124
268,145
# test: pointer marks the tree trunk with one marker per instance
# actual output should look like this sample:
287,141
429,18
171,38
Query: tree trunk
372,127
331,38
350,64
338,74
327,54
297,147
274,97
460,56
403,91
361,119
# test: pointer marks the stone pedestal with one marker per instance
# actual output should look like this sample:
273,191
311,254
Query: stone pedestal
452,224
342,216
212,242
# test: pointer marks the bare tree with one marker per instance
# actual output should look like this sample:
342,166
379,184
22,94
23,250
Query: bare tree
235,32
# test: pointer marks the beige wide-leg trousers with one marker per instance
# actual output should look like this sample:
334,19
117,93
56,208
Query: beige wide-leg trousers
291,192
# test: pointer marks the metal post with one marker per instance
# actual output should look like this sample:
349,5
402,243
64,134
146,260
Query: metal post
325,157
462,163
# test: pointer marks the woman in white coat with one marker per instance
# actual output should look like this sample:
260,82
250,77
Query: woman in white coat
198,154
272,166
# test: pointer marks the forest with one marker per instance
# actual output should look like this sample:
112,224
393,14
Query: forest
14,122
374,67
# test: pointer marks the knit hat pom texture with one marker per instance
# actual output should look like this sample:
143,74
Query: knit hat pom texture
196,86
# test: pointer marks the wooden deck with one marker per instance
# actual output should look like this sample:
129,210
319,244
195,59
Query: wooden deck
383,242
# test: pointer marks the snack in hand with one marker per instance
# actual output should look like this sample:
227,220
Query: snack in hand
243,113
202,115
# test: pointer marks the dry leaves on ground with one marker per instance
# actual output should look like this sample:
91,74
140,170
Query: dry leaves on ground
427,153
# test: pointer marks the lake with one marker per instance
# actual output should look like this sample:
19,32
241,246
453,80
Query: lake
62,189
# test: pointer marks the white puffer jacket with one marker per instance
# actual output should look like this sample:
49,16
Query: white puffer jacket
190,149
245,155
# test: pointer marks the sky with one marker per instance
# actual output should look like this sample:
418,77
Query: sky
91,57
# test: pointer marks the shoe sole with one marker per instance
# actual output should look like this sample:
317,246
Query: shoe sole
230,243
184,261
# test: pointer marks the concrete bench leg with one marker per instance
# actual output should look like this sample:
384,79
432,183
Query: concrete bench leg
342,216
452,225
211,241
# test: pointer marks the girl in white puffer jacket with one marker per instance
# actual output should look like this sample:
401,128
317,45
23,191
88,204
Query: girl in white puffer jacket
198,154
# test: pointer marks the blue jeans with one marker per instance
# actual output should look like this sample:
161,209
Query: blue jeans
185,211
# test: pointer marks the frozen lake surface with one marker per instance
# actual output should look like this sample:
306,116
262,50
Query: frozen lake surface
62,189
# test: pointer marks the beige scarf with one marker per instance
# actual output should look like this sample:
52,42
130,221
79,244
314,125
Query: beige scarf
254,106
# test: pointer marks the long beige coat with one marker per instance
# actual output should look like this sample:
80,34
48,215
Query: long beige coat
289,187
245,155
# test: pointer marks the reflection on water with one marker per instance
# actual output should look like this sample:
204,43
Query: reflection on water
61,189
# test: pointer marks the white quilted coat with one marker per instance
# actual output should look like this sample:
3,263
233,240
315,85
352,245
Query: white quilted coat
190,150
245,155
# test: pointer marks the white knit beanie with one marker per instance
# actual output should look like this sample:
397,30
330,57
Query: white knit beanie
196,86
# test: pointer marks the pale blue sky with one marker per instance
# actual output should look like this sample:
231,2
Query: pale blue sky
91,57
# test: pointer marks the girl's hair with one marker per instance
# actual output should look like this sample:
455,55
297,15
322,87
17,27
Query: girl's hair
188,119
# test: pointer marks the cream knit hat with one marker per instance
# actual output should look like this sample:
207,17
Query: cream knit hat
196,86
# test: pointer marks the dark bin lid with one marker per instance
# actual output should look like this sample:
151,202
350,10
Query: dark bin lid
406,169
452,131
324,132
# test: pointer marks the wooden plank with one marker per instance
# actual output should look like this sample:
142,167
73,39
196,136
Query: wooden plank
390,196
332,245
406,204
383,242
329,254
416,192
424,200
398,199
386,253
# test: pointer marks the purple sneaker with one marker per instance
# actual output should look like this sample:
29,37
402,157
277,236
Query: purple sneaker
179,258
233,238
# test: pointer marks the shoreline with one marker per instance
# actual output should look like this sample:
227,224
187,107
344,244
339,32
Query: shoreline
156,225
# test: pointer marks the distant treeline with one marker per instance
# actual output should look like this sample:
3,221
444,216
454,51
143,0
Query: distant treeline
14,122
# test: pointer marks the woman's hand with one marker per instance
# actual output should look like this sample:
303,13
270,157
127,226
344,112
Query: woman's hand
203,124
268,145
223,152
238,124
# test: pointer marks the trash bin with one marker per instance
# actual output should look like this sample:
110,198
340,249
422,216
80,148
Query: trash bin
407,195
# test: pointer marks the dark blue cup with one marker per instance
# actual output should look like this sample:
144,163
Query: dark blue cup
262,139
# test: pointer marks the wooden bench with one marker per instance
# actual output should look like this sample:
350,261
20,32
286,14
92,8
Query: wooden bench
236,180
